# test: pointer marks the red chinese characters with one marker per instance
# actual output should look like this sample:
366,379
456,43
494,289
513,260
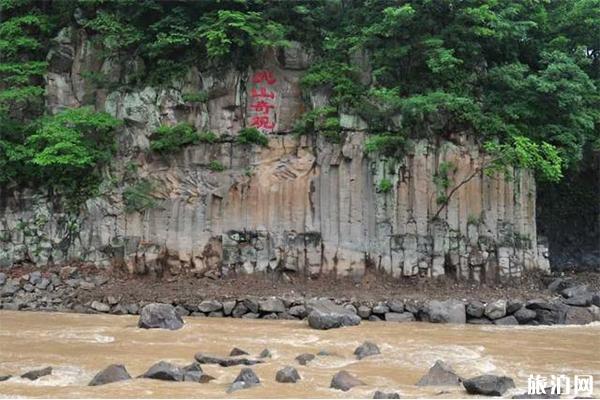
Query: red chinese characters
262,101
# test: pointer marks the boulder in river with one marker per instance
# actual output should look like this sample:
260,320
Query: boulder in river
287,375
246,379
266,353
366,349
158,315
449,311
305,358
440,374
193,373
5,377
37,373
325,314
237,352
164,371
488,385
383,395
110,374
344,381
225,362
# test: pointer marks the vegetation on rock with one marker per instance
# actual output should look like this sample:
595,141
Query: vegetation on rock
172,138
252,136
520,77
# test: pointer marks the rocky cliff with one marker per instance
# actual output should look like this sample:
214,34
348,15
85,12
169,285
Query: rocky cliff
303,204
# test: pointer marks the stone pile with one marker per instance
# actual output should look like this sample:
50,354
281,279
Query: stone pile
46,291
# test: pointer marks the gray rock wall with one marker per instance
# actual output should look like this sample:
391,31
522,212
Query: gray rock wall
302,205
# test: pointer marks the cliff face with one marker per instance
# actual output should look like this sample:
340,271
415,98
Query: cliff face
302,204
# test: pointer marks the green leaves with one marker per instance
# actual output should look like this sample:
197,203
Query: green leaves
172,138
75,138
252,136
227,31
116,33
523,152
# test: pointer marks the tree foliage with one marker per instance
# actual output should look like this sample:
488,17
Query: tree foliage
522,77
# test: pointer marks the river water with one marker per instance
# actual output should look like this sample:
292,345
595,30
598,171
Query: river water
78,345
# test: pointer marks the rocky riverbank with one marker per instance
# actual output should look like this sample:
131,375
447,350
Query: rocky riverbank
541,300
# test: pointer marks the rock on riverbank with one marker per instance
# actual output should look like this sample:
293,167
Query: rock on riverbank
71,289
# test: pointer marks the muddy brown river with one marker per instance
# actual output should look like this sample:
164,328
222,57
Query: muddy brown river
77,346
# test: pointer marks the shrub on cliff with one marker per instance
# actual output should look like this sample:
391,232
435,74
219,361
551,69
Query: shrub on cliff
171,138
65,151
252,136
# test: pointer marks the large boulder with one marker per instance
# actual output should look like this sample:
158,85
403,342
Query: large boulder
37,373
208,306
324,314
366,349
298,311
287,375
573,291
578,316
364,311
237,352
475,309
305,358
164,371
224,361
488,385
449,311
194,373
344,381
495,309
157,315
245,380
580,300
540,304
266,353
271,305
596,299
524,315
110,374
512,306
440,374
